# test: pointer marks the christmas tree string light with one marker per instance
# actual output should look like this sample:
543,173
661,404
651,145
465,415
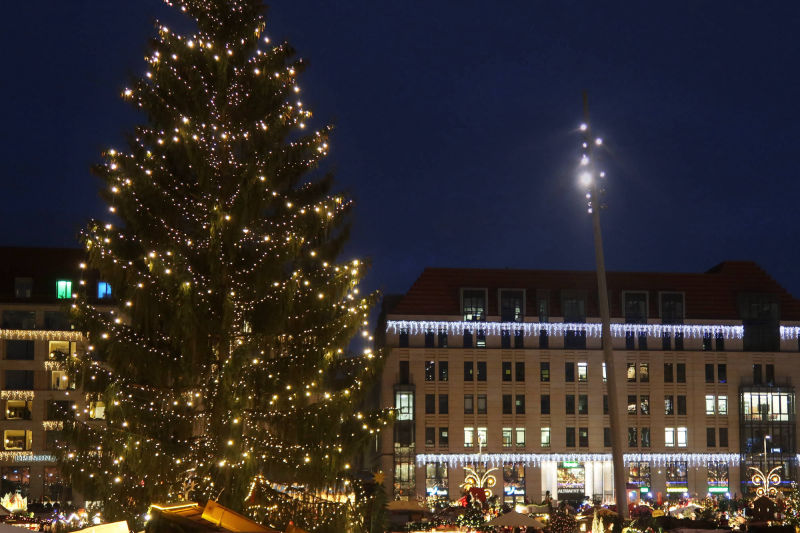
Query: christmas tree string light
226,364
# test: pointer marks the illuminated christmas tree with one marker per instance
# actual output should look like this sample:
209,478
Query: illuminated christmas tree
227,359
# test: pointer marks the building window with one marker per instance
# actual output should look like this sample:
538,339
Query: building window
668,377
710,404
678,341
103,290
544,340
513,484
723,437
544,372
512,305
480,338
507,437
520,437
569,372
506,404
644,404
570,437
583,372
506,370
469,371
467,338
631,373
481,370
767,406
18,409
635,307
19,350
719,342
570,404
59,380
760,315
645,437
681,373
605,404
722,373
482,437
717,477
19,379
672,310
402,340
677,477
544,437
633,438
607,437
711,437
666,342
682,437
631,404
583,404
756,374
505,338
63,289
605,374
669,437
639,475
769,374
519,404
444,437
430,404
404,403
722,405
19,319
669,405
469,404
481,404
681,404
443,371
403,373
473,304
443,404
709,373
644,372
519,339
544,401
429,339
23,288
430,370
583,437
436,485
442,340
706,342
519,371
17,439
469,437
430,437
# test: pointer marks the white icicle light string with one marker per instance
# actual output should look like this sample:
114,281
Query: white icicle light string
592,329
536,459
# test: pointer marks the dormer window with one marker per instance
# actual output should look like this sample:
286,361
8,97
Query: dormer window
473,304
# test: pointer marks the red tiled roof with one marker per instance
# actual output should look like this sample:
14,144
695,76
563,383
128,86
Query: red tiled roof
708,295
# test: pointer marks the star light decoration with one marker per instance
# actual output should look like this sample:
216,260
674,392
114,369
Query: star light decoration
226,359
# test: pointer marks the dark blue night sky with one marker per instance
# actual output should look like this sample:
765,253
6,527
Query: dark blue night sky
455,126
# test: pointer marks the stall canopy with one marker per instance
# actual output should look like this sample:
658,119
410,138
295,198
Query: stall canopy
515,519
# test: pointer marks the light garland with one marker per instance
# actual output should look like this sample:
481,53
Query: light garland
41,335
559,329
17,395
536,459
26,457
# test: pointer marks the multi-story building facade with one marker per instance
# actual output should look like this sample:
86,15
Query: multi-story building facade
36,287
500,374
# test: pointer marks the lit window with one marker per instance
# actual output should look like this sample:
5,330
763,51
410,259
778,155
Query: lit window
482,436
103,290
583,372
520,436
97,410
63,289
59,380
506,437
605,376
722,405
682,438
545,440
469,437
709,404
404,403
17,439
669,437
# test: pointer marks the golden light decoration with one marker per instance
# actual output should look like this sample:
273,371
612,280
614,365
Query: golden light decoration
484,481
766,485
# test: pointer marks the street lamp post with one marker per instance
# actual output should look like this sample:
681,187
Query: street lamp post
589,178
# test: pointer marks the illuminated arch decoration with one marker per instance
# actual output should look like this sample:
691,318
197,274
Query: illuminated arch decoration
766,485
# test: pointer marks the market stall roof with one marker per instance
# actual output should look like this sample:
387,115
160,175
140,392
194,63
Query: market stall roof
190,517
113,527
515,519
